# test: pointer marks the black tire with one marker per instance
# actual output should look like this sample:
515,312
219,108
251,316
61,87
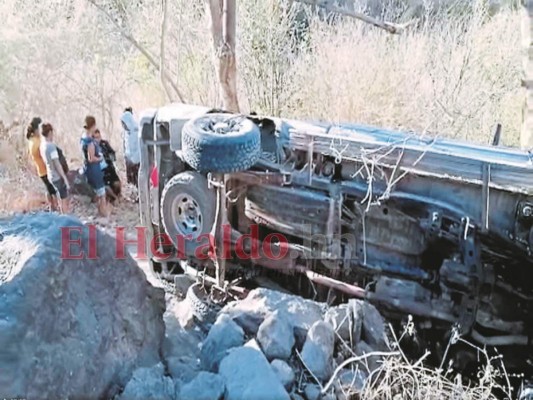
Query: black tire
201,307
298,213
192,187
208,148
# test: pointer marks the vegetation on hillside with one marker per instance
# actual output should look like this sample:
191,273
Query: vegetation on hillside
456,74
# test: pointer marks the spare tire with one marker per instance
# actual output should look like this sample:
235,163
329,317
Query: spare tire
221,143
188,209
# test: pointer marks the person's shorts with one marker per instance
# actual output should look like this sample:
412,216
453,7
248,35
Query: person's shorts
61,188
50,189
95,177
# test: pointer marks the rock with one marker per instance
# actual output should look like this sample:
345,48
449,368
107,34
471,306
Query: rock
284,373
300,334
526,393
182,283
276,336
149,383
340,320
78,328
183,369
249,322
181,346
248,375
346,320
180,326
312,392
317,353
223,335
350,383
206,386
261,302
357,313
374,327
370,363
296,396
252,343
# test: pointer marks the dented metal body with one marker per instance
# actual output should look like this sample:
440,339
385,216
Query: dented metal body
435,228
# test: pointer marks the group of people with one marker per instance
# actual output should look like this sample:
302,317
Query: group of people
98,162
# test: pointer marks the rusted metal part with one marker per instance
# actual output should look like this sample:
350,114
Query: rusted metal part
262,178
410,307
352,290
201,276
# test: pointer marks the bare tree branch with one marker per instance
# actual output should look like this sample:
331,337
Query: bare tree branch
330,6
151,59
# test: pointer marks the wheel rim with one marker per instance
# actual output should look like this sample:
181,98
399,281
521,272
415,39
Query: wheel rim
188,217
223,126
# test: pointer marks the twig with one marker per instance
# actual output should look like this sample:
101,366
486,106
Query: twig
151,59
388,26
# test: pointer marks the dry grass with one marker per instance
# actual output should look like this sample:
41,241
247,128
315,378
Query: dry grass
457,76
457,79
398,377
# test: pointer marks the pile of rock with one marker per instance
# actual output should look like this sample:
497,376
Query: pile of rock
273,345
95,327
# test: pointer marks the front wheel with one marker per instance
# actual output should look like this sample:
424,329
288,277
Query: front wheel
188,210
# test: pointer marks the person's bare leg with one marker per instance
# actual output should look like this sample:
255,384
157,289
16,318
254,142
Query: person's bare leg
65,206
102,207
111,194
117,188
52,200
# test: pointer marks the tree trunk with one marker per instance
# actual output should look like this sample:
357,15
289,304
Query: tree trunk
223,29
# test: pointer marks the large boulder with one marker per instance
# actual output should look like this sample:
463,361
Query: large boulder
69,327
248,375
